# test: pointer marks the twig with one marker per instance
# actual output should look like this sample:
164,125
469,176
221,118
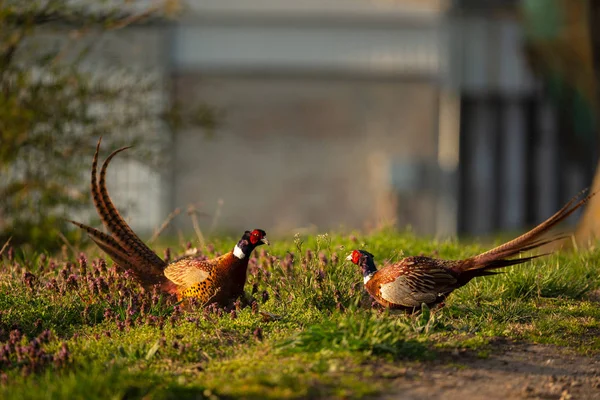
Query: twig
216,217
88,302
165,224
64,239
123,22
181,238
5,245
193,213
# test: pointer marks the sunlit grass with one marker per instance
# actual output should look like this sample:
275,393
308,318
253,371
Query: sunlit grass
79,328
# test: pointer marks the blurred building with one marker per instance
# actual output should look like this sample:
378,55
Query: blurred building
330,112
353,114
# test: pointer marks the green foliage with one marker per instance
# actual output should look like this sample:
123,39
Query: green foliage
312,332
57,97
360,332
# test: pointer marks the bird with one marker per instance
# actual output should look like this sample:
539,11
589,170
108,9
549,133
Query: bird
417,280
220,280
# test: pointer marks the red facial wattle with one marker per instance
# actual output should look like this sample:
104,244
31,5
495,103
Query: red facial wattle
256,236
356,256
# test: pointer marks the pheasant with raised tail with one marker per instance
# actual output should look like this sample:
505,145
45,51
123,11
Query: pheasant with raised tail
220,280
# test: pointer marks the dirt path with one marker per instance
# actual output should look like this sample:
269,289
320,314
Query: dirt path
512,371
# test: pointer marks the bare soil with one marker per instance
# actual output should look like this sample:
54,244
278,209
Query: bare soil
511,371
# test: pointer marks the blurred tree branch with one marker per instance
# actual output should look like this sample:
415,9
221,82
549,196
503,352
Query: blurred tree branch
54,106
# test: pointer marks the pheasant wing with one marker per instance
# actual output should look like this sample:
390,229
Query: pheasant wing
187,272
415,280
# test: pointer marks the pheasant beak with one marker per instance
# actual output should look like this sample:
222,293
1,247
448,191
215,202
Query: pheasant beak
265,241
349,258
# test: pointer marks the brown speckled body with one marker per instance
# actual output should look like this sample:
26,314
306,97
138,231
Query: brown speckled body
413,281
219,280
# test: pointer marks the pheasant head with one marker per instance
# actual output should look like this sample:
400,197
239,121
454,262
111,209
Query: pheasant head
248,242
365,261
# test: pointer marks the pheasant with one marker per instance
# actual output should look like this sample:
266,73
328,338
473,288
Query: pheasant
220,280
412,281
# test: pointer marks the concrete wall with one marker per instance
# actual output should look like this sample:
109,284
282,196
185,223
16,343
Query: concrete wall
295,152
330,113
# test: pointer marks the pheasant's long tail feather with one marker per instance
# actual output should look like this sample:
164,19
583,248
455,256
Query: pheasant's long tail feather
98,195
123,245
111,247
498,257
118,227
503,262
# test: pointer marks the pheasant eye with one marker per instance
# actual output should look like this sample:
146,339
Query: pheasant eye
356,256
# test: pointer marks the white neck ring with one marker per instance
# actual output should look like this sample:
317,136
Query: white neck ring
238,252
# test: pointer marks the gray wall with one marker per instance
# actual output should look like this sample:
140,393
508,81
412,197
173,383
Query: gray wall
296,152
330,113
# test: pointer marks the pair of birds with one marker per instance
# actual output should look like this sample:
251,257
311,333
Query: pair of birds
405,284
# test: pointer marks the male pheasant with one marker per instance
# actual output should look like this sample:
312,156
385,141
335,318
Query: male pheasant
412,281
220,280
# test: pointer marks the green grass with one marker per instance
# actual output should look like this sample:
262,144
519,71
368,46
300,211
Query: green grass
322,339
